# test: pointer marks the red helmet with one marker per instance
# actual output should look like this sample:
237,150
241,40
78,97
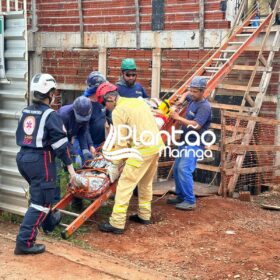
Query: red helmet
103,89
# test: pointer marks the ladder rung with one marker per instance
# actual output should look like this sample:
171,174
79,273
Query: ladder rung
243,35
63,225
228,51
249,27
69,213
235,43
220,59
212,68
208,77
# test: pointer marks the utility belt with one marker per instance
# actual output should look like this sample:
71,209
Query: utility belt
36,150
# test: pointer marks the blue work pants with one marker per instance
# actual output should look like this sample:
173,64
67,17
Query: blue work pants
184,167
39,170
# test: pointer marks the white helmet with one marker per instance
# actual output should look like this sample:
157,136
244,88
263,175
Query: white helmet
42,83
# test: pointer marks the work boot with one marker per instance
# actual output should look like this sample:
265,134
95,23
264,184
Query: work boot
35,249
52,220
107,227
185,206
174,201
135,218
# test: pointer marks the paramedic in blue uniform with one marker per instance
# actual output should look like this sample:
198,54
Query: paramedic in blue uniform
198,118
97,122
99,114
127,85
42,137
76,118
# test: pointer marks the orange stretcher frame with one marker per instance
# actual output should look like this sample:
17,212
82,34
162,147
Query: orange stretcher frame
87,213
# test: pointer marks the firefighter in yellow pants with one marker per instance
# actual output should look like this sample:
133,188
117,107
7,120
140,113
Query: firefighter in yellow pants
135,128
263,6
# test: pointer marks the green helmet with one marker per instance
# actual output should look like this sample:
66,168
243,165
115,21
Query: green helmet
128,64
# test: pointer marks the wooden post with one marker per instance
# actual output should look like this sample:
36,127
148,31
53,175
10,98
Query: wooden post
8,8
223,184
137,24
156,67
201,24
277,135
102,61
80,7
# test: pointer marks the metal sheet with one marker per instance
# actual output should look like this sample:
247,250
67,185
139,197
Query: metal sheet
12,99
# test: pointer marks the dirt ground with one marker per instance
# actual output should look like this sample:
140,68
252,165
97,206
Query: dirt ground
221,239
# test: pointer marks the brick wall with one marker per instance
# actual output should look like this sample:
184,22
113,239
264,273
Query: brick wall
119,15
178,65
69,66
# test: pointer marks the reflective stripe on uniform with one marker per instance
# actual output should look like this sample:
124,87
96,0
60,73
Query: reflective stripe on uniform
151,150
145,205
40,134
59,143
40,208
120,208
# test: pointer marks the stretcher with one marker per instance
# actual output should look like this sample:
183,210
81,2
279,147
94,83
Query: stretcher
91,183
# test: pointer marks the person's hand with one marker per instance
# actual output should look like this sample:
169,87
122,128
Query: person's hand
87,155
113,172
92,151
174,115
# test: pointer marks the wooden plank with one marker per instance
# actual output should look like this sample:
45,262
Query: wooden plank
208,167
270,207
200,189
228,127
230,107
236,148
165,163
250,68
237,87
251,170
234,138
267,121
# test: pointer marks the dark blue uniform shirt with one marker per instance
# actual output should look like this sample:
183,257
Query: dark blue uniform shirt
41,129
200,112
131,92
73,128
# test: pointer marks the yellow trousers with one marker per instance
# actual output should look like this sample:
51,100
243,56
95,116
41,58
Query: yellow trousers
130,177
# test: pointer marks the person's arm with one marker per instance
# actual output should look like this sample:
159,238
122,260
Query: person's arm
59,141
90,143
144,93
119,117
184,121
83,141
184,97
200,119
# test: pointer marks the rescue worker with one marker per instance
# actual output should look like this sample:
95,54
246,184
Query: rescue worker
198,119
76,118
41,136
135,114
127,85
99,115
